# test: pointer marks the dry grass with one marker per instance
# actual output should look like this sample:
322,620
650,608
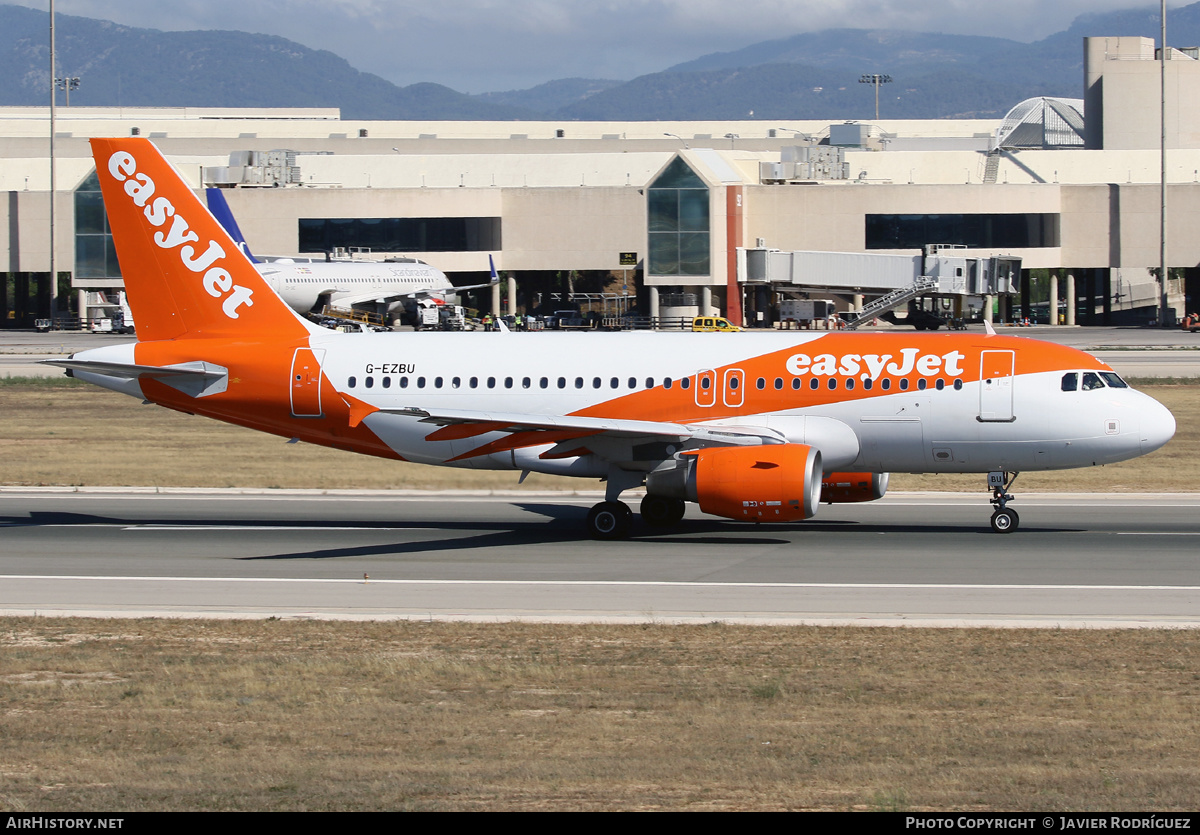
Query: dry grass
138,715
80,435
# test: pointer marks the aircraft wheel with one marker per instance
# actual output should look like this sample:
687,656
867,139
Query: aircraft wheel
610,520
1005,521
660,511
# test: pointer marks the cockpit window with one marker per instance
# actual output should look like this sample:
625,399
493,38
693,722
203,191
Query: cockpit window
1091,381
1070,382
1113,380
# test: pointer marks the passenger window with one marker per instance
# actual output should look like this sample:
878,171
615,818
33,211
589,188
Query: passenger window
705,383
456,382
544,382
1070,382
685,383
614,383
1090,381
420,382
508,382
813,383
666,382
562,382
578,382
403,382
474,382
351,383
760,384
904,384
734,382
491,382
387,382
526,382
437,382
885,384
958,385
922,384
850,384
595,382
778,383
649,382
940,384
633,382
868,384
795,384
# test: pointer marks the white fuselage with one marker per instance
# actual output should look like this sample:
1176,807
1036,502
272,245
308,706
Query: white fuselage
1032,425
308,286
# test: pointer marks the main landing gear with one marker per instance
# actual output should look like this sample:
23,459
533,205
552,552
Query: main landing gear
610,520
1004,519
661,511
613,520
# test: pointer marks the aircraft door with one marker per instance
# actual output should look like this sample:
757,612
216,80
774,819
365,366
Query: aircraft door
306,382
996,386
706,388
734,390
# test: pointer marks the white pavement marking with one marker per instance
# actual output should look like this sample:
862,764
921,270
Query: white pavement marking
617,583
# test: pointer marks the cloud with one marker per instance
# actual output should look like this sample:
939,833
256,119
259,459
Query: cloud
482,45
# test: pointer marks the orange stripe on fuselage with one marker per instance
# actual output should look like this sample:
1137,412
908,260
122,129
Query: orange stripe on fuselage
837,351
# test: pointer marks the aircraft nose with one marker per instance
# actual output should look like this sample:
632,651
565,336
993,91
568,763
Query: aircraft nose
1158,426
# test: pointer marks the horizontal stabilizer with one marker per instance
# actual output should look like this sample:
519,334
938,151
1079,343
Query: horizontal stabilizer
195,379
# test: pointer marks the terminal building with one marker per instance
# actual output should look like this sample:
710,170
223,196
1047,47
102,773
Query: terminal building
712,217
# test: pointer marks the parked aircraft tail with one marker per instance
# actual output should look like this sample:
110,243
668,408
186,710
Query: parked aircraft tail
183,273
224,215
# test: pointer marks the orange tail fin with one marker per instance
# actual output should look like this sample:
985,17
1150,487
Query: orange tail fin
184,276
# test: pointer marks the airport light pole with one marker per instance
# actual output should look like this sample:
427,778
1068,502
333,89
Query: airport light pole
680,138
53,180
1162,156
69,83
808,137
876,79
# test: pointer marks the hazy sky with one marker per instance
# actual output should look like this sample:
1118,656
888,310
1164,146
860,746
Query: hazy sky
477,46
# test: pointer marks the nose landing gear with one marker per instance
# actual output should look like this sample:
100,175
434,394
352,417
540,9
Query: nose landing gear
1004,519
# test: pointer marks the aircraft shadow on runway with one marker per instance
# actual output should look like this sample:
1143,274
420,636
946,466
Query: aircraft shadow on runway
560,524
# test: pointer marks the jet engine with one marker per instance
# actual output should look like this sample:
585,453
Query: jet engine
844,488
769,483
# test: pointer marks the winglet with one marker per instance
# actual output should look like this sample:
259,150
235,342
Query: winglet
987,326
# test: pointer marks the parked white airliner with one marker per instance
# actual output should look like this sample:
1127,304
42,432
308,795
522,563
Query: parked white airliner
309,285
747,425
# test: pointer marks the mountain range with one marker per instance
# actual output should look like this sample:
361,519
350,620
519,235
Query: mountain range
809,76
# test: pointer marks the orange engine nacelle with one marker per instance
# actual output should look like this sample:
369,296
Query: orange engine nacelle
844,488
770,483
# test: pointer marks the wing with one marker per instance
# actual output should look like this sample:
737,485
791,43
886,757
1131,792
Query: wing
626,442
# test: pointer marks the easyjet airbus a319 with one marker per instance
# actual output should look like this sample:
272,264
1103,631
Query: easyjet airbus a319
757,427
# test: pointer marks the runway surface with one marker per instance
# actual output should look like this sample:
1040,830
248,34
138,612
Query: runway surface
918,559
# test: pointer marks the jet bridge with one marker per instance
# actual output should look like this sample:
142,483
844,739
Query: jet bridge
941,271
